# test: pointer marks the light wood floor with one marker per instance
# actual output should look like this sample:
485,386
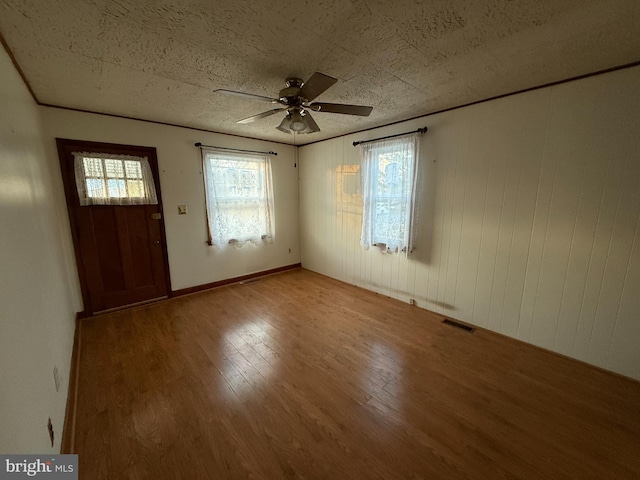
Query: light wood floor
301,376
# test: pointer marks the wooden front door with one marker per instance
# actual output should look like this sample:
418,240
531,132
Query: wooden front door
120,249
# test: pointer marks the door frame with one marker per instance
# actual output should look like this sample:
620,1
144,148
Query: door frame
65,148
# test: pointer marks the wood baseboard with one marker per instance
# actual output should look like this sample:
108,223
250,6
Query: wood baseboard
67,445
220,283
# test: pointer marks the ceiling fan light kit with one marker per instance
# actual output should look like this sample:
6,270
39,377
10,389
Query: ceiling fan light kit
297,123
295,98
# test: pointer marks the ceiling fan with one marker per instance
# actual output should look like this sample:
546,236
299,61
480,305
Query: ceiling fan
295,98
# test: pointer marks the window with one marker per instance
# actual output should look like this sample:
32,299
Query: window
389,176
106,179
239,195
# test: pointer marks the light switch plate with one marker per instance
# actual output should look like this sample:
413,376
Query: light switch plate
182,209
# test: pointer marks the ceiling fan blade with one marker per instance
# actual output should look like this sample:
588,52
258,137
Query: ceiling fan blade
360,110
247,95
268,113
317,83
312,126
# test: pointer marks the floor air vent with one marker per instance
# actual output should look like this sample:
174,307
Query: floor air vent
461,326
250,281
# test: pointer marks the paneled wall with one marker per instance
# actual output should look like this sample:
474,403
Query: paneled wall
529,218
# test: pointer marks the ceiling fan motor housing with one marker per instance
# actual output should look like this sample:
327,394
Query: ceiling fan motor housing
291,94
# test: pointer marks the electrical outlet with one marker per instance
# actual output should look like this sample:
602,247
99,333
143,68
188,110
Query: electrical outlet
56,378
50,430
182,210
289,250
412,301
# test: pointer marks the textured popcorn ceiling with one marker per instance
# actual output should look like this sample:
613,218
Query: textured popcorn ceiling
161,59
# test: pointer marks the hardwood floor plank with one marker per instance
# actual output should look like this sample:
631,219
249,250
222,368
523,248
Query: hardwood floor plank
301,376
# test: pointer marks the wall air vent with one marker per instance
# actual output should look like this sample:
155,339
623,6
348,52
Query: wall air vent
459,325
250,281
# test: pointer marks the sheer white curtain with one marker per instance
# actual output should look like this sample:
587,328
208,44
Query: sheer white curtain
106,179
389,176
239,194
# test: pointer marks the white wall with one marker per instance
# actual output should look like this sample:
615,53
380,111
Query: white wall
39,292
529,218
191,261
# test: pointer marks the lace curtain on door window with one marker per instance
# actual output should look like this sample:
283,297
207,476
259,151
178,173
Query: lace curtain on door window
107,179
239,195
389,176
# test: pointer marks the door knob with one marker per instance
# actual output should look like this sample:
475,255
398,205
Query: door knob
156,242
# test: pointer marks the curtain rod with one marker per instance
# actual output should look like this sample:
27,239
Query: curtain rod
198,144
420,130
